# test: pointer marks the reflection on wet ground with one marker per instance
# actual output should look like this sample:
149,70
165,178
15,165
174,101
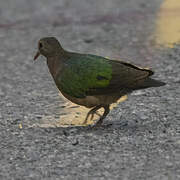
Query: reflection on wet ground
168,23
71,114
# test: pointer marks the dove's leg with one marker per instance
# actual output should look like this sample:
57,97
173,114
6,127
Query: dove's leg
106,112
92,112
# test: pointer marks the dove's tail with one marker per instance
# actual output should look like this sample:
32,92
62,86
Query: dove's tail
153,83
150,83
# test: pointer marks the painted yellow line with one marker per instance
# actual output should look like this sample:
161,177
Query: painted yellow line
168,23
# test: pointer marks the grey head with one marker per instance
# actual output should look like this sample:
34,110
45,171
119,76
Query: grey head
48,47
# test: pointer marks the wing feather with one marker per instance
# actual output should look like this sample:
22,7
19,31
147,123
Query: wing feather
125,78
94,75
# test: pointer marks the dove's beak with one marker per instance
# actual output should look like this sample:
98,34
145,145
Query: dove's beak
37,55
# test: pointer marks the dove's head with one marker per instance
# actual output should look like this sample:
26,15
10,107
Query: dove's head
48,47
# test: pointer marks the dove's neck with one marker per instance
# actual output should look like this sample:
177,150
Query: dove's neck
55,65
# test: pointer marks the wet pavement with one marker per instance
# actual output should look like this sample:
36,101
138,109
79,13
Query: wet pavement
144,139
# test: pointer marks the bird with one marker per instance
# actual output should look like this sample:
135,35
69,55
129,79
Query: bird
90,80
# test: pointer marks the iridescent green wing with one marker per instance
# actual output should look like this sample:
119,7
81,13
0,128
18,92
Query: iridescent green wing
83,73
94,75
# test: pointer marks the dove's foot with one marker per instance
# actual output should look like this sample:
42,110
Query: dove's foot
94,111
106,112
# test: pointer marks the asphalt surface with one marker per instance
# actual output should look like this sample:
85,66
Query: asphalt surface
144,140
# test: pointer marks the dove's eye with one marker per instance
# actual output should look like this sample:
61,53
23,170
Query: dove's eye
40,45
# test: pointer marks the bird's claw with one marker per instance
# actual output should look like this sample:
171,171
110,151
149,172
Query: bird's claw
91,113
94,111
